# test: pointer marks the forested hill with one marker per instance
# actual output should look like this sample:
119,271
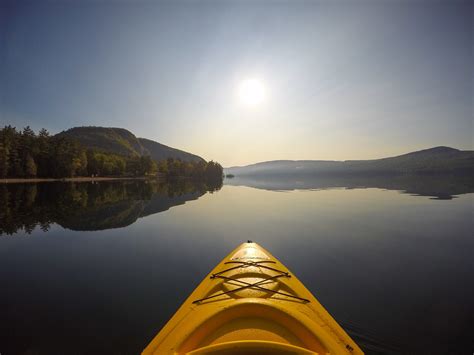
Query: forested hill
123,142
93,152
160,151
435,160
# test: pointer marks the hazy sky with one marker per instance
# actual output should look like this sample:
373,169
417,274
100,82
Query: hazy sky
342,80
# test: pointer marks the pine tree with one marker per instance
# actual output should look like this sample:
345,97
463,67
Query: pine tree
43,133
43,158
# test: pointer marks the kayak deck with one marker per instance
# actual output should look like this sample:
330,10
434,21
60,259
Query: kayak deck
250,303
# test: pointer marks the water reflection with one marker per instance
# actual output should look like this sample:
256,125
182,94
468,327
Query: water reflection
392,269
442,187
91,206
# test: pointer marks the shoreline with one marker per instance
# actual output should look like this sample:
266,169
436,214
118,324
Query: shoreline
72,179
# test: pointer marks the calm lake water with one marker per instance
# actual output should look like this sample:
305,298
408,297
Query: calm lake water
101,267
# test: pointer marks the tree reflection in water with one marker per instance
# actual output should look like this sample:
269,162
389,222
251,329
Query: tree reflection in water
90,206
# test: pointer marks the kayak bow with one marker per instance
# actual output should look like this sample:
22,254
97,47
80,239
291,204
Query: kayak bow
251,304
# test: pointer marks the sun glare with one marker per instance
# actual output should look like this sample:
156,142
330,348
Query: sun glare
251,92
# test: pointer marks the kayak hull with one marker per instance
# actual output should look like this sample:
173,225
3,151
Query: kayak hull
250,303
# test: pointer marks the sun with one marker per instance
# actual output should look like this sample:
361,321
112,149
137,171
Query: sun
251,92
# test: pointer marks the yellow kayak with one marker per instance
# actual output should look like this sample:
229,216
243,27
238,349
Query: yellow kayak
251,304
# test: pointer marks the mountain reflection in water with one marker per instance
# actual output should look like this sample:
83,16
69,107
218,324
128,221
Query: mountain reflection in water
90,206
441,187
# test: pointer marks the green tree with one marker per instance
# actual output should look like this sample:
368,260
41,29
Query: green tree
67,158
147,165
163,167
79,163
4,160
43,158
30,166
16,166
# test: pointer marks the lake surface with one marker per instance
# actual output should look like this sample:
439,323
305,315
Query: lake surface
95,268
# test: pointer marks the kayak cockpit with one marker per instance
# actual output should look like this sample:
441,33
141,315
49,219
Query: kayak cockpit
257,322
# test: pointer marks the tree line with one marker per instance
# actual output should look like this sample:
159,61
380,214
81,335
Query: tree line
24,154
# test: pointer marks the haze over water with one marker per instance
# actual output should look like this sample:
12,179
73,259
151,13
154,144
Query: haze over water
391,267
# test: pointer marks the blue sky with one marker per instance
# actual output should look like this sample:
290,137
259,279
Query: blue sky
342,79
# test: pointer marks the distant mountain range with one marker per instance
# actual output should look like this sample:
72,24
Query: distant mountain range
123,142
429,161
